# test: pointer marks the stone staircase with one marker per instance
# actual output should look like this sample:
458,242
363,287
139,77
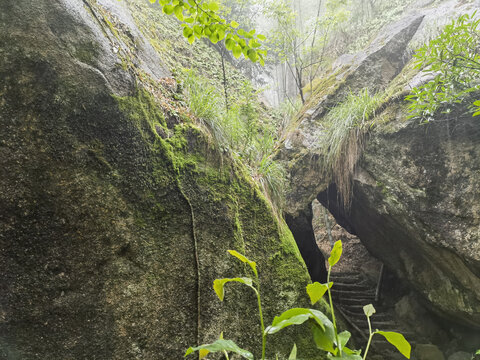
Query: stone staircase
352,291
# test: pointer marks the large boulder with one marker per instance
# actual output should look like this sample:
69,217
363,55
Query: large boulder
373,68
415,201
416,207
116,214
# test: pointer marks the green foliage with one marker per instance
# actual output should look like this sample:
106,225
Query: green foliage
200,19
297,316
242,258
220,345
239,130
324,330
293,354
336,253
316,291
397,340
301,45
394,338
346,124
218,285
454,62
477,108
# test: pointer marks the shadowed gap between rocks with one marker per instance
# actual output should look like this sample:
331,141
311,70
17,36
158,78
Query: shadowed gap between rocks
302,230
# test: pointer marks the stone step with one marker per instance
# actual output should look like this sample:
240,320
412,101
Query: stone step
353,300
387,325
361,316
357,309
347,278
350,287
353,294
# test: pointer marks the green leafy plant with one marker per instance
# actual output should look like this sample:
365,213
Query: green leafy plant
324,330
394,338
453,60
200,19
226,346
477,108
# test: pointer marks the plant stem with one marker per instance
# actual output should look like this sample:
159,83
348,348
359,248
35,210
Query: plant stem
369,338
226,355
264,336
333,314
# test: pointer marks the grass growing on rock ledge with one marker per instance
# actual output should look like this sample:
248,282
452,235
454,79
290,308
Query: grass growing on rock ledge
239,130
346,125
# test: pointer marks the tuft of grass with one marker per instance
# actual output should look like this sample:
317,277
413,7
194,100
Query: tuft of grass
347,124
204,101
241,130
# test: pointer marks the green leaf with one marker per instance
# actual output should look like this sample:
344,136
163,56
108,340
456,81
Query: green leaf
293,354
477,103
316,290
214,6
242,258
351,352
234,24
476,113
221,345
397,340
323,339
198,30
229,44
168,9
323,321
343,338
252,55
187,32
178,10
261,37
221,34
336,253
191,39
346,356
369,310
219,284
297,316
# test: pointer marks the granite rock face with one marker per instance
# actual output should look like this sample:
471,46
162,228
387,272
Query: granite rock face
415,202
110,234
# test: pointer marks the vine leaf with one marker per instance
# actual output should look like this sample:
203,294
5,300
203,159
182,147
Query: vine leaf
242,258
220,345
316,290
336,253
219,285
397,340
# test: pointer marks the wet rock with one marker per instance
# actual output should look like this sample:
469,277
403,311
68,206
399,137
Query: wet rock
111,231
460,355
428,352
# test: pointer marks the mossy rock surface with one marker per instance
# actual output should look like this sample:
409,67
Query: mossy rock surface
114,219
